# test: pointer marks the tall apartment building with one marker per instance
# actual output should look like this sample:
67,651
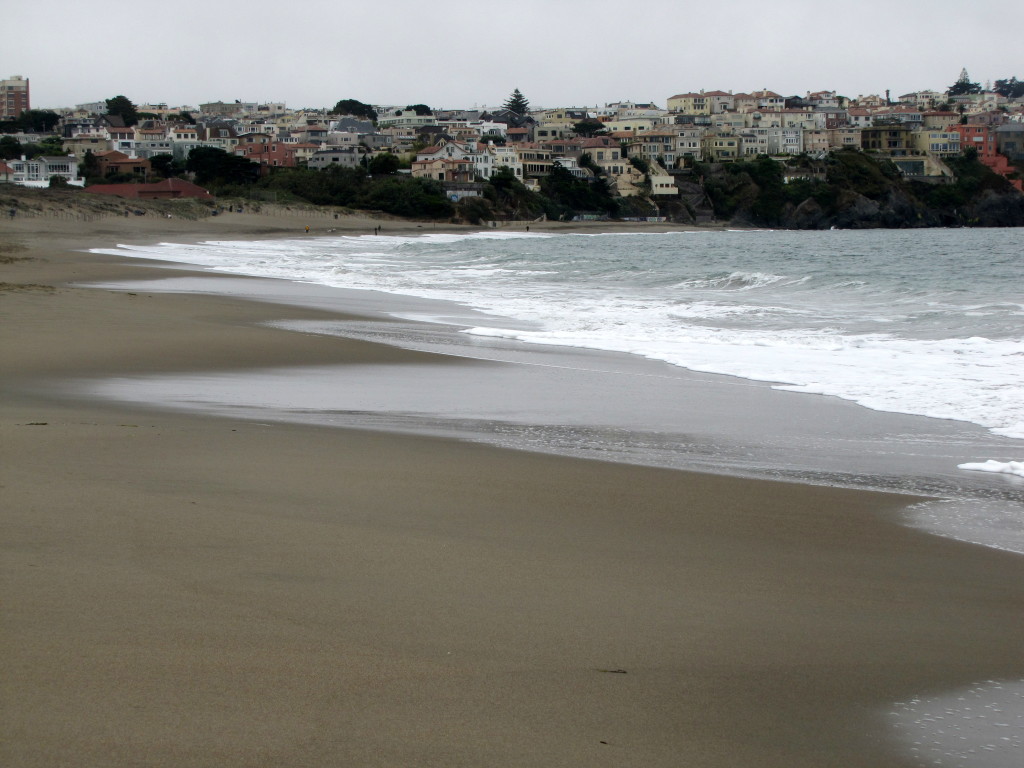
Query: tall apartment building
13,97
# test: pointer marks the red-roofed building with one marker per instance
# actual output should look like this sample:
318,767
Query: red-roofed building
111,162
168,189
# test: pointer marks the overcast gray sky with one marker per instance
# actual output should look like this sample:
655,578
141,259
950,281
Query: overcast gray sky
464,54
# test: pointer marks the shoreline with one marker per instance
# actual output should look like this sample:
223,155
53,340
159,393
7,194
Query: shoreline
190,588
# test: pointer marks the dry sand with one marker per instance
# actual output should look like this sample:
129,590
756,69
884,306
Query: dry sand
181,590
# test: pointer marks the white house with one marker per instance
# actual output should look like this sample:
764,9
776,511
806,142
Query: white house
38,171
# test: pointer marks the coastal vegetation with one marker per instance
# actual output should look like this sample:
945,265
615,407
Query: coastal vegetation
852,189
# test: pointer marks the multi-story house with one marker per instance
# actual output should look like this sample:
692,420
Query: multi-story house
443,169
721,147
606,153
564,147
922,99
763,100
506,157
38,171
936,142
823,100
1010,140
733,121
402,117
150,142
82,143
122,138
304,151
14,97
221,135
755,142
772,140
860,117
815,141
899,114
341,157
268,152
980,137
828,119
893,139
480,161
113,162
536,160
654,146
632,125
702,103
627,110
691,103
939,120
846,137
688,144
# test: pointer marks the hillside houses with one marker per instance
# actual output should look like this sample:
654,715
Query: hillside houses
468,146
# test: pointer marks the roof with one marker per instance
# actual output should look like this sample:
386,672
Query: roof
165,188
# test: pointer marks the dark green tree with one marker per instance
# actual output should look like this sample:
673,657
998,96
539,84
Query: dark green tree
571,194
589,128
10,148
384,163
38,120
963,86
164,165
123,107
210,165
517,104
90,167
1011,88
354,108
420,109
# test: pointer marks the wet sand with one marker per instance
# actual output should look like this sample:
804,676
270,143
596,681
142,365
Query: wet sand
195,590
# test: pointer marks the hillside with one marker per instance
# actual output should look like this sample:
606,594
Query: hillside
852,190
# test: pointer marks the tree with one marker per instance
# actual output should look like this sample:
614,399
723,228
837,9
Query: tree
589,128
354,108
163,165
1011,88
963,85
90,166
517,104
384,163
38,120
10,148
420,109
123,107
51,146
211,164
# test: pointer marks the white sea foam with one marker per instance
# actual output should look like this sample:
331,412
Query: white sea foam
1002,467
922,334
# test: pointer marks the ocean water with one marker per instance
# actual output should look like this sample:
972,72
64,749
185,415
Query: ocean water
925,322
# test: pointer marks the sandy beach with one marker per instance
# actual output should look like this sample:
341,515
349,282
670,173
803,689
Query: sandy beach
195,590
